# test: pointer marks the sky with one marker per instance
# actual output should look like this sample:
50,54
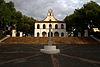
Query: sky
38,8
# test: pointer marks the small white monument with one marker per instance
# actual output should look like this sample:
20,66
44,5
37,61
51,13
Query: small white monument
85,33
50,49
72,34
66,34
8,35
13,33
21,34
79,34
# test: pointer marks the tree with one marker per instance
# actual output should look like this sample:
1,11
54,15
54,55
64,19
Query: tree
85,16
2,1
10,17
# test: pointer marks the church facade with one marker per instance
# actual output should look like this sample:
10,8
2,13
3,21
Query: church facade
58,28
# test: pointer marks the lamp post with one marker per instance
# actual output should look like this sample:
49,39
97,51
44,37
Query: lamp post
49,42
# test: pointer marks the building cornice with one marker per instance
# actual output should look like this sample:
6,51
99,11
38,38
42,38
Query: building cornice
49,22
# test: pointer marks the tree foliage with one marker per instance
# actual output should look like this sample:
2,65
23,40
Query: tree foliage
9,16
87,16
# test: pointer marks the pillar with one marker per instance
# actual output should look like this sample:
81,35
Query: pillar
79,34
85,33
13,33
21,34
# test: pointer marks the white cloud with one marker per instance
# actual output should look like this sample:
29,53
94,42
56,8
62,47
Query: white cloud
38,8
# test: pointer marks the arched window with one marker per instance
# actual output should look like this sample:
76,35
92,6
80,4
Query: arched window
44,34
38,26
56,34
56,26
38,34
44,26
62,26
50,25
62,34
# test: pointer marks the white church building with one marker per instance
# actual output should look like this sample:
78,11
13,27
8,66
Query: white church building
58,28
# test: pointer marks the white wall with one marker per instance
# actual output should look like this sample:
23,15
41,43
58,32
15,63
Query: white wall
59,30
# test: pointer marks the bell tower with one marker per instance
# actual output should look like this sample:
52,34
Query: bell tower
50,16
50,12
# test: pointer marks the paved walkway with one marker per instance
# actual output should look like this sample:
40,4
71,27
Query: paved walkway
4,38
55,61
95,38
82,59
18,60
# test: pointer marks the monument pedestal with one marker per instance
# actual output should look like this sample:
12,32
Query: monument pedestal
49,49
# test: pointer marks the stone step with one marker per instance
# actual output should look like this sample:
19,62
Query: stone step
55,40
